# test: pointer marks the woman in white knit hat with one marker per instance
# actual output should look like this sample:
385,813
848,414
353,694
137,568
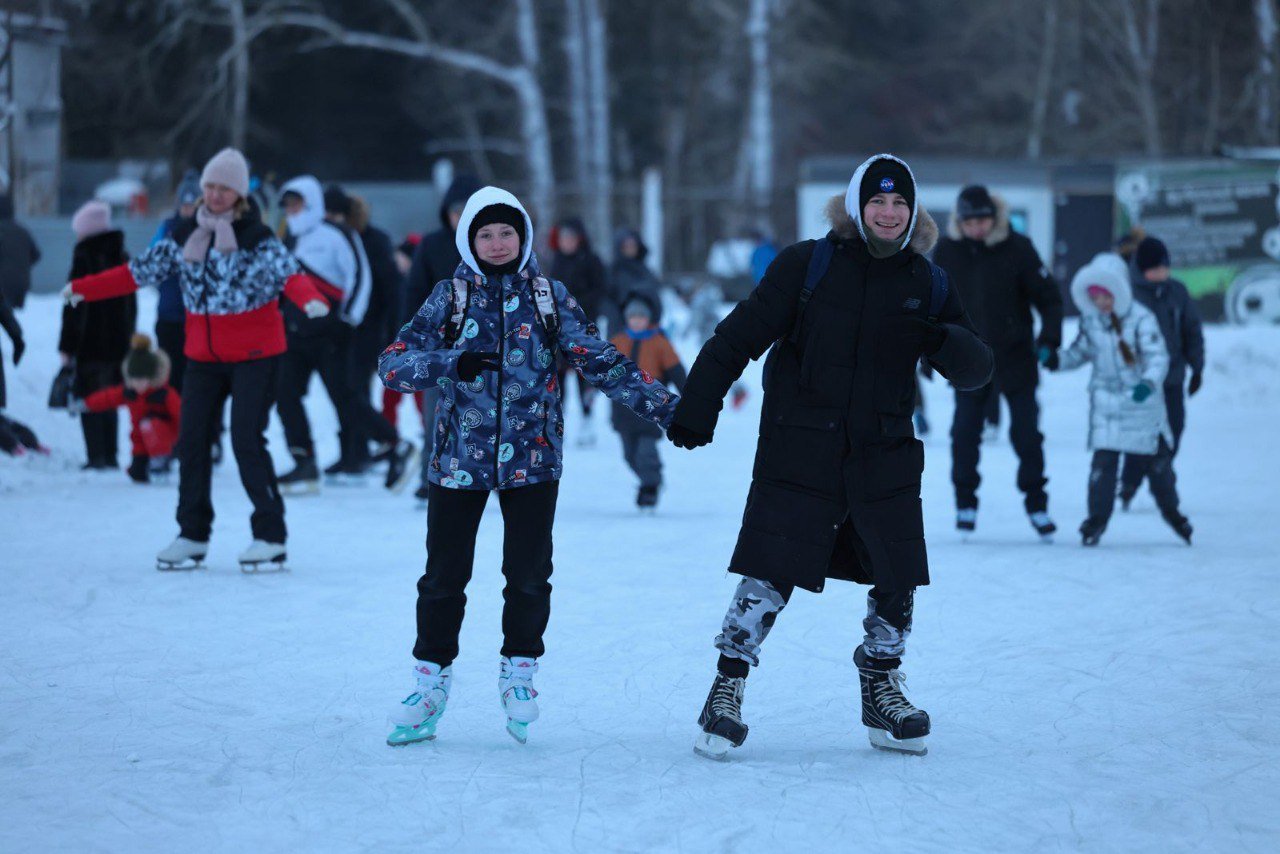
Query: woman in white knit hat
95,338
233,272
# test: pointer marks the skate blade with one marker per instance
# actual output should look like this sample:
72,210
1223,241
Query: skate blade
180,566
405,735
519,731
346,480
296,490
263,567
1047,539
883,740
714,747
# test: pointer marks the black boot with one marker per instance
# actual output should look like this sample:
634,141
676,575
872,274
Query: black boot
304,478
647,497
1181,526
401,458
892,722
1091,531
721,718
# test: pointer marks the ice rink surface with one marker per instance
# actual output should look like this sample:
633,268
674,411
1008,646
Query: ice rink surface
1117,699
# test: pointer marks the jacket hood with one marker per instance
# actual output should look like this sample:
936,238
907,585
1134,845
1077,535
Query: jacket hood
854,210
479,200
576,225
621,235
999,232
1108,270
924,230
312,194
460,189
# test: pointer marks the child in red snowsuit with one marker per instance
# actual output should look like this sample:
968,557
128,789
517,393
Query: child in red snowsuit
153,404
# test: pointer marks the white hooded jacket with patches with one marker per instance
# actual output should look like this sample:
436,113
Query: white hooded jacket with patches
329,251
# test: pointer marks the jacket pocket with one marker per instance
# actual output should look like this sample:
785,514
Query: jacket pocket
804,449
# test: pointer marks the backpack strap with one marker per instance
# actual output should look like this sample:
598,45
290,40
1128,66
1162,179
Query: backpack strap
544,301
457,318
941,283
819,261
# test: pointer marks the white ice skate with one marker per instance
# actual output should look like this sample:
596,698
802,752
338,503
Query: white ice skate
416,716
1044,526
182,554
966,522
262,556
519,699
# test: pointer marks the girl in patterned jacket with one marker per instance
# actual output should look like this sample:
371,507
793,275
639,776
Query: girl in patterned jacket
232,271
488,339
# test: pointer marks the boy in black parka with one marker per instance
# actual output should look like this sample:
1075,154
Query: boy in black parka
836,486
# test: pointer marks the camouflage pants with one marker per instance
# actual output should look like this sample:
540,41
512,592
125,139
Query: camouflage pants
756,605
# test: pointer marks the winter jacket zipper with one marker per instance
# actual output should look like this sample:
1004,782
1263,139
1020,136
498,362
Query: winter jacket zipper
502,358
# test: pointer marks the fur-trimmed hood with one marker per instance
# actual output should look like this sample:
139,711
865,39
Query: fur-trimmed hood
924,236
1108,270
999,232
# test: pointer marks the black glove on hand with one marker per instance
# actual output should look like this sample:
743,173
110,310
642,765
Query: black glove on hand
915,333
1196,380
20,347
139,469
683,437
472,362
129,394
157,396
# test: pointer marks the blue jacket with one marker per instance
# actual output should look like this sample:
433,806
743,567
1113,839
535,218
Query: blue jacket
506,428
170,307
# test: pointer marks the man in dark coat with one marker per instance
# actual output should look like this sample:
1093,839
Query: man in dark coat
1000,279
630,274
1171,303
576,265
434,260
835,491
18,254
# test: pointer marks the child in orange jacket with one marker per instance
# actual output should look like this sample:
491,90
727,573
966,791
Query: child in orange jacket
643,342
154,408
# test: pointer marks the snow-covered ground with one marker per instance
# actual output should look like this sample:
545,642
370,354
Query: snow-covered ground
1117,699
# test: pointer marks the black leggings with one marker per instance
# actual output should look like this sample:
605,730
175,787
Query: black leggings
453,518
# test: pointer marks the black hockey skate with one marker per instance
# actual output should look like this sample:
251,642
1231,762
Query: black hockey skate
892,722
721,718
647,499
401,464
1181,526
1091,532
304,479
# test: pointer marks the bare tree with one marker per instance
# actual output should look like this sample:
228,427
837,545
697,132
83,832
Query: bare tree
1044,78
1268,129
756,153
520,77
601,166
239,81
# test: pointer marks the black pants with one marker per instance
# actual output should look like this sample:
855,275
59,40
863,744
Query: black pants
1136,466
1102,483
101,429
453,518
330,356
171,335
586,391
252,386
1024,433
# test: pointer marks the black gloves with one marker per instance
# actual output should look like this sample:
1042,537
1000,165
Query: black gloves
1196,380
158,396
683,437
1049,358
139,469
914,333
472,362
20,347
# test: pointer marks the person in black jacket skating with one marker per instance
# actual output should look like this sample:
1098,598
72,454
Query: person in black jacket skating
18,254
1180,324
577,265
835,491
1001,278
95,336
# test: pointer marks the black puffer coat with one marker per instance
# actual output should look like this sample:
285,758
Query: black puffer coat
1000,279
98,331
836,485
